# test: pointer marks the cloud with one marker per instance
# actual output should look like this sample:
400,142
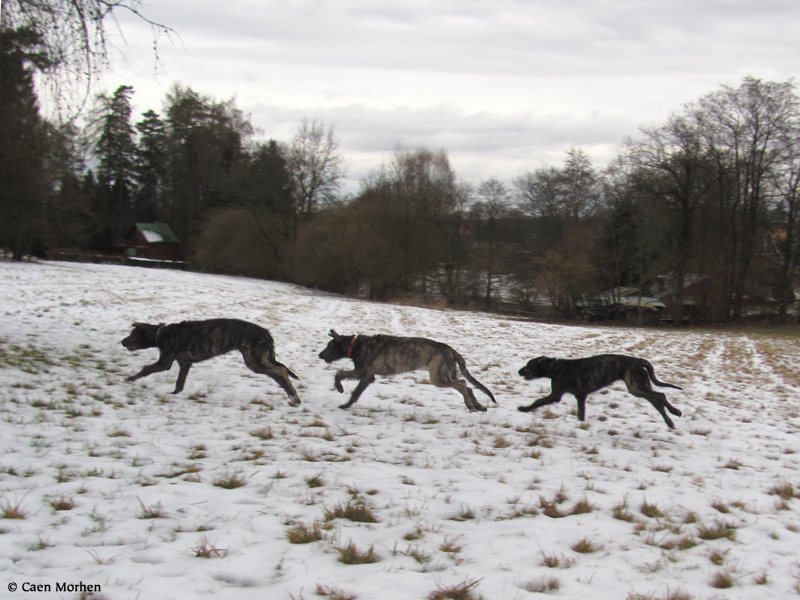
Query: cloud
502,86
480,145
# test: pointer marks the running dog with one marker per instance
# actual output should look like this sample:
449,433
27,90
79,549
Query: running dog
580,377
389,355
189,342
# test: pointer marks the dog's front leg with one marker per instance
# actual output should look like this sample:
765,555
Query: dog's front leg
164,363
581,407
551,399
184,365
362,385
337,379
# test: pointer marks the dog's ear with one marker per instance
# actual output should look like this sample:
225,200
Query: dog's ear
334,335
137,324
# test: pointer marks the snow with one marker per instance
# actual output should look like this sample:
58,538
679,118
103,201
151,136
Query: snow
152,236
459,497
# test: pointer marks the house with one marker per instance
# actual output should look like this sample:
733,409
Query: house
696,289
625,302
154,241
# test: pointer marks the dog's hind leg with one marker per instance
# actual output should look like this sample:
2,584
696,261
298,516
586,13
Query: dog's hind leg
444,375
469,398
659,404
639,386
362,385
184,365
460,385
279,374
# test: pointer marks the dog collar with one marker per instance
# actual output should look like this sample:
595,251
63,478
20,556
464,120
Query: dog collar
350,348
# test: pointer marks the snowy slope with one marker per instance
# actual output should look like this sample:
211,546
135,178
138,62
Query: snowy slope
120,484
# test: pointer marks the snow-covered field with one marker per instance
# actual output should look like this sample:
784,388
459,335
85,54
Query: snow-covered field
206,494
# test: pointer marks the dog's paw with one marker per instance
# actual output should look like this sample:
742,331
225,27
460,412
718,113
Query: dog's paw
338,385
131,378
344,405
294,401
524,408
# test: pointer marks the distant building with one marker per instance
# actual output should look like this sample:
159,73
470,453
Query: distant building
154,241
622,302
694,300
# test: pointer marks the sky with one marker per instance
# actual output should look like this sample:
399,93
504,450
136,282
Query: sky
504,87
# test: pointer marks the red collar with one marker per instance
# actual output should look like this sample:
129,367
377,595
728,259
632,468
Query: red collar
350,348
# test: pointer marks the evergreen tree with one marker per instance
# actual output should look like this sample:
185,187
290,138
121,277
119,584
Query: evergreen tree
150,167
23,185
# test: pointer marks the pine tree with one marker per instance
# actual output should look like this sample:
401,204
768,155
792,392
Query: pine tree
23,140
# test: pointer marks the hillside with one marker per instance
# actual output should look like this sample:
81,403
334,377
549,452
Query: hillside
205,494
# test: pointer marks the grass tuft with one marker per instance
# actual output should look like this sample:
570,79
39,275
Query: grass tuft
206,549
332,593
315,481
229,481
151,512
717,532
263,433
13,511
722,580
555,561
356,510
300,533
61,503
461,591
651,510
621,512
351,555
465,514
784,490
543,585
586,546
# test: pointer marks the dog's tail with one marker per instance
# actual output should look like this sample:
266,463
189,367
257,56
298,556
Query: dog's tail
463,366
653,377
288,370
274,361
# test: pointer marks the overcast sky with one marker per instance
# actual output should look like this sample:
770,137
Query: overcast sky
504,86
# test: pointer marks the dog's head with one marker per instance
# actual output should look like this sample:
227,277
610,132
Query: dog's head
143,335
537,367
339,347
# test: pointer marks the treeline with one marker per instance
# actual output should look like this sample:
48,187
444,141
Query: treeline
710,196
705,196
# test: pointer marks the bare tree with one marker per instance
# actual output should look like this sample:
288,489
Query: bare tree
492,204
673,168
787,222
750,131
316,167
564,201
74,34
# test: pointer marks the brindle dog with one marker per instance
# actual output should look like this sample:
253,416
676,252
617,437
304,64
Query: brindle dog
580,377
189,342
389,355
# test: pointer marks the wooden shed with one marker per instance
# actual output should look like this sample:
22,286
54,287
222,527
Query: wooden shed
154,241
